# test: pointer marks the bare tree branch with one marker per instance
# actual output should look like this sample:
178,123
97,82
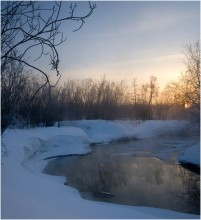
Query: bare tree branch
25,26
23,23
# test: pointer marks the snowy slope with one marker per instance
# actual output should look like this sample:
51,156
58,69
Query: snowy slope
99,131
28,193
192,155
104,131
153,128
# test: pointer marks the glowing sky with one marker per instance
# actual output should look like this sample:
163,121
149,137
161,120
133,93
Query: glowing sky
137,39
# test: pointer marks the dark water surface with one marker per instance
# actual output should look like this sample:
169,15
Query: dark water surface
131,173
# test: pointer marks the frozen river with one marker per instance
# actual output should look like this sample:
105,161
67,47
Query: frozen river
140,173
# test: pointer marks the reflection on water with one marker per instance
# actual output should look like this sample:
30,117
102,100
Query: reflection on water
140,181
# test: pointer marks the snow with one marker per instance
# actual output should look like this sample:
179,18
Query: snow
105,131
192,155
99,131
28,193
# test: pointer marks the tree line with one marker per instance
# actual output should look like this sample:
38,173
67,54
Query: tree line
98,99
29,98
31,31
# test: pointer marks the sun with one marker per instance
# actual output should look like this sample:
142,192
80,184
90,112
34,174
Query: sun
187,105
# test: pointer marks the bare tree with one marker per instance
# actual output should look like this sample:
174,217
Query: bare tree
186,90
191,78
148,92
14,82
25,25
135,96
30,25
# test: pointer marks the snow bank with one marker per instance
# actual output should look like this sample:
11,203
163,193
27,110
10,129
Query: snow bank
105,131
153,128
28,193
191,155
99,131
46,142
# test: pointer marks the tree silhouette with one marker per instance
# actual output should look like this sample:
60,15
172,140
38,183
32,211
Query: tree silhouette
30,25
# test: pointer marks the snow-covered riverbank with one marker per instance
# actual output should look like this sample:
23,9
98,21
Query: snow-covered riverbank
191,155
28,193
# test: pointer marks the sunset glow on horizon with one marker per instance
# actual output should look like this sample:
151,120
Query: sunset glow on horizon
135,39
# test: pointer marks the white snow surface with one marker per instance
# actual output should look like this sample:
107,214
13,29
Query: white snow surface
27,193
192,155
104,131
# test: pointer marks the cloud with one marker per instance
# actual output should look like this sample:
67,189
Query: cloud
164,15
153,21
161,58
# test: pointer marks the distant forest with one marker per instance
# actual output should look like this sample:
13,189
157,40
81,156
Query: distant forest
28,98
98,99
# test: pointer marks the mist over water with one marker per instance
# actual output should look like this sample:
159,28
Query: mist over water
119,173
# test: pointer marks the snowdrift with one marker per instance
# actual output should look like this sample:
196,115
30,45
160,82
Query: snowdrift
191,155
28,193
105,131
